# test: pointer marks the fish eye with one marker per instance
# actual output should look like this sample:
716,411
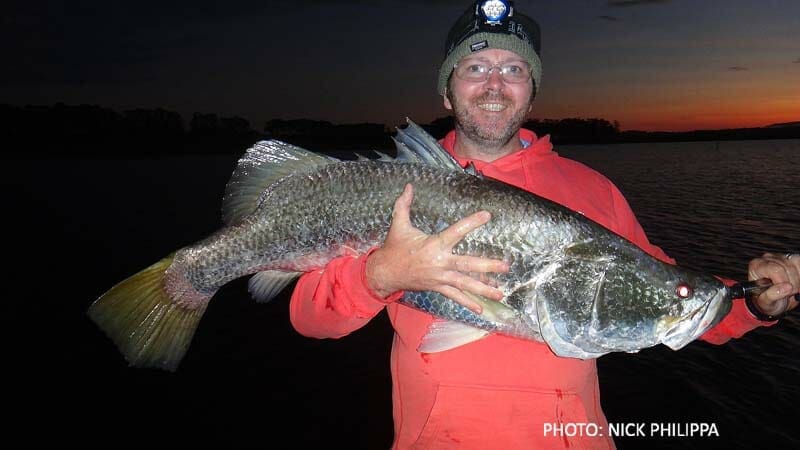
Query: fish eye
684,291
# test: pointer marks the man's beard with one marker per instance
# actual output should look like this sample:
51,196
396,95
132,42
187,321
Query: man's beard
495,133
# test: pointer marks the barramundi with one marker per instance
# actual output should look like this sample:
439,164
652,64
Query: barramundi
573,284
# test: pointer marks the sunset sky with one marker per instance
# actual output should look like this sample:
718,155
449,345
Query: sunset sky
651,65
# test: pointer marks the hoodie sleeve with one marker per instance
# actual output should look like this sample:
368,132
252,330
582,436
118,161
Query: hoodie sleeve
738,322
336,300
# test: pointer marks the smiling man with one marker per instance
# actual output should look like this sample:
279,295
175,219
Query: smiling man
490,94
498,392
489,77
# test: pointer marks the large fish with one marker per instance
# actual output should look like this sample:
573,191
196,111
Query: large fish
573,284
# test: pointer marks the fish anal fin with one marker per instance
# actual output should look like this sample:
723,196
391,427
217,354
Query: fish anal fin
264,286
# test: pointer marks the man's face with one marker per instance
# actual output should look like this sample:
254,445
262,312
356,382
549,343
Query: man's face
489,112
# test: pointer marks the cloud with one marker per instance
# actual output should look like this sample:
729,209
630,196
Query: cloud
626,3
609,18
737,68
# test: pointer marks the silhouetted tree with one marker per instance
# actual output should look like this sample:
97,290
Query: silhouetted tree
575,130
70,129
204,124
235,125
154,122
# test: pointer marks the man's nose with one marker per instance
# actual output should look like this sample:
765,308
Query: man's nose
495,80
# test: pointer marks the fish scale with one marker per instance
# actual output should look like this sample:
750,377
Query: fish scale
335,219
573,284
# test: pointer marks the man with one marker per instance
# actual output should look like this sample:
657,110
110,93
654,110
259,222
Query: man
498,392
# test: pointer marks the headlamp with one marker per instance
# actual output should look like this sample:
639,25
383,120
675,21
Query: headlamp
493,12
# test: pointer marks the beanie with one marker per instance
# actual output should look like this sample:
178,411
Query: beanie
492,24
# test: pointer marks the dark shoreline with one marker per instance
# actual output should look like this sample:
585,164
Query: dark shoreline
85,130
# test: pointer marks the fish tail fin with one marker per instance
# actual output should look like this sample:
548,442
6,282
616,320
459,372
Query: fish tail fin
150,327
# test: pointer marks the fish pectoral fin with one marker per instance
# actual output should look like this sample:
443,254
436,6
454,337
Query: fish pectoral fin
587,251
461,325
492,310
264,286
448,335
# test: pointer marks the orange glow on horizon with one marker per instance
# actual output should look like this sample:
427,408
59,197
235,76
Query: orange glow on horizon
681,101
733,112
708,120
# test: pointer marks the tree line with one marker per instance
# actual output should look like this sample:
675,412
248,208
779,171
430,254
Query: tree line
90,129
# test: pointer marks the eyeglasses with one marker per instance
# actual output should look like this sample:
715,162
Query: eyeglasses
478,71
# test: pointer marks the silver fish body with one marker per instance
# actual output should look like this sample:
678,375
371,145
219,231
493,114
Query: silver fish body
573,284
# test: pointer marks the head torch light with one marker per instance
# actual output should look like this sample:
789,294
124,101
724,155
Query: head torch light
493,12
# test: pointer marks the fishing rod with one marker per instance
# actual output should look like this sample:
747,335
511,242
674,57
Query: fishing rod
752,289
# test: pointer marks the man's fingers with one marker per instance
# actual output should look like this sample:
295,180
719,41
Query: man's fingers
455,232
778,291
792,271
401,214
778,269
466,283
478,265
774,300
785,281
461,298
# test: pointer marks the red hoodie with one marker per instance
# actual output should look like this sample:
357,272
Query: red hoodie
499,392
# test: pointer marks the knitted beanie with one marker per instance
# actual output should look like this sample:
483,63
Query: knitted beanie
492,24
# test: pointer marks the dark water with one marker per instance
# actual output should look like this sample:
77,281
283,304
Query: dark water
713,207
75,227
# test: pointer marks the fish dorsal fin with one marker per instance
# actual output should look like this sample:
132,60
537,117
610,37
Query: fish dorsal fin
472,170
262,165
383,156
415,145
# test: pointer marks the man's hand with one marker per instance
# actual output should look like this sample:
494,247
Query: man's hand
784,271
411,260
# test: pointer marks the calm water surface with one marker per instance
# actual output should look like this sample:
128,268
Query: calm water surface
713,207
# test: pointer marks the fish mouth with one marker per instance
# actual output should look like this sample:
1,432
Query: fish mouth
684,329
